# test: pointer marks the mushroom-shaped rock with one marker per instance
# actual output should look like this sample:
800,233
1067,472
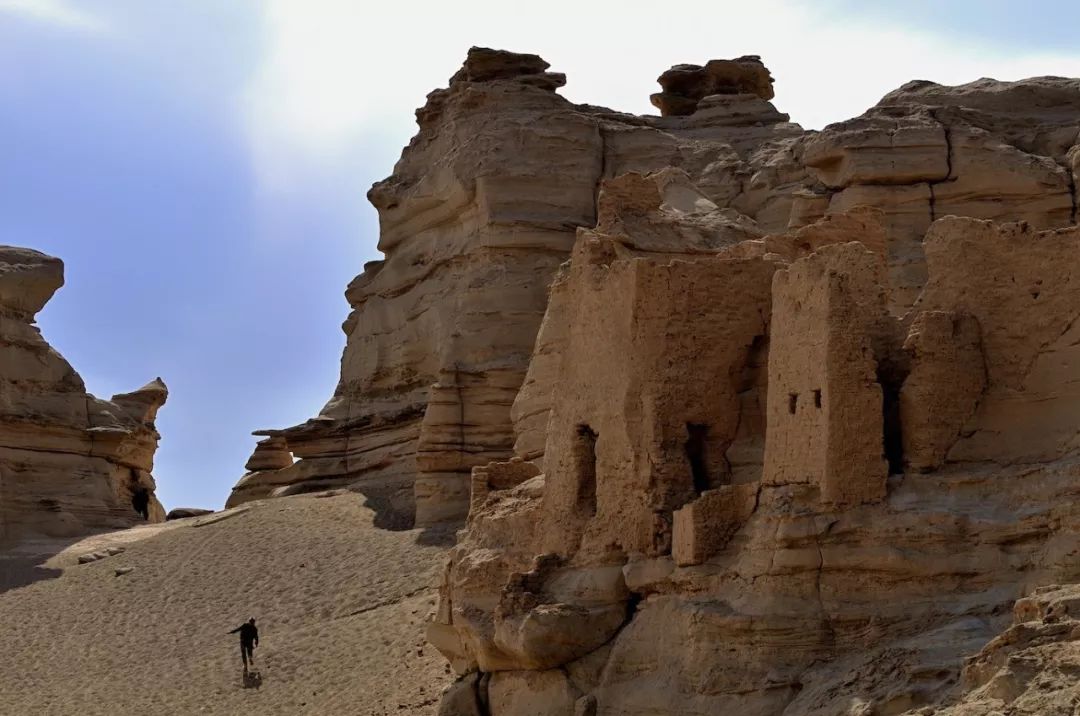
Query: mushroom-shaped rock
28,279
143,404
484,64
686,85
270,454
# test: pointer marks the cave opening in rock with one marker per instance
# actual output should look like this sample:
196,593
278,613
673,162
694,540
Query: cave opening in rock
696,441
792,402
817,397
585,469
140,501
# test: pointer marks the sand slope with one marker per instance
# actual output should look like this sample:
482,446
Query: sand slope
340,607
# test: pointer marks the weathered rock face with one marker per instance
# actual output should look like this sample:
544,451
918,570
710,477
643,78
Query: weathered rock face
480,212
801,471
784,435
440,373
686,85
69,462
988,149
641,573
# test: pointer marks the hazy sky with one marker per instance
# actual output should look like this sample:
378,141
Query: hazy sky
201,165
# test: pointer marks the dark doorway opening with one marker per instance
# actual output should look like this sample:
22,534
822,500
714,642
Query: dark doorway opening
140,501
891,378
585,469
697,436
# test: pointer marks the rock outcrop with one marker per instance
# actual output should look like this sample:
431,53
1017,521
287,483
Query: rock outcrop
478,215
183,513
792,441
439,374
686,85
69,462
727,514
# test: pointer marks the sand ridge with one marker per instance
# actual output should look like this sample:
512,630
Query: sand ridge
340,606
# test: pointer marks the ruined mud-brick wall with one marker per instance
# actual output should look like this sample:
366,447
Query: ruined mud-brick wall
637,575
480,211
69,462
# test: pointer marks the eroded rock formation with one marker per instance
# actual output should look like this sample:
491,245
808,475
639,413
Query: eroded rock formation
653,567
794,452
439,373
69,462
478,215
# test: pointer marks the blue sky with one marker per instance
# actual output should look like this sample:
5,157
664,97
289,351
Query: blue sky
201,166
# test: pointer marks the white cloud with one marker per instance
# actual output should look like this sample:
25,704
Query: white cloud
54,12
339,72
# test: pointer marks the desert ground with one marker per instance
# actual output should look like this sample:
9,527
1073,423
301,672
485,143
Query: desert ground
340,607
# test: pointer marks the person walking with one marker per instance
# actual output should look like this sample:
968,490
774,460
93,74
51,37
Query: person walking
249,639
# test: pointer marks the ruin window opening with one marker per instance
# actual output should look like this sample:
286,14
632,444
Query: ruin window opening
817,397
140,502
792,402
584,454
696,440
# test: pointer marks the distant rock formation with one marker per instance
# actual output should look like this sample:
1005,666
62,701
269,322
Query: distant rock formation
69,462
439,373
182,513
686,85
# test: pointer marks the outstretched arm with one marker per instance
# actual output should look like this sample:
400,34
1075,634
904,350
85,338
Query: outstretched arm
236,630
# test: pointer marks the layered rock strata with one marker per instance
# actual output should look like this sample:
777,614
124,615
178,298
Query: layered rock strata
439,373
728,515
69,462
478,215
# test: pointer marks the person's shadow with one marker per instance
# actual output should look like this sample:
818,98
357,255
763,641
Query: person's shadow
252,679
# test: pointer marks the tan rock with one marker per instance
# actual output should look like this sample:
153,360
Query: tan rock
531,693
1019,284
785,589
70,463
686,85
946,379
481,210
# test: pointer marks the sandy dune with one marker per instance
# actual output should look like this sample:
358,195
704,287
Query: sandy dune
340,607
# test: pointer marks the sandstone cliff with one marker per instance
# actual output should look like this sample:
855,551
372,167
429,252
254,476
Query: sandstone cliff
69,462
480,211
797,467
743,417
439,373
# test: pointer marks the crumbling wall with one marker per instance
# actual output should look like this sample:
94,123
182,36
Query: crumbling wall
1022,288
825,414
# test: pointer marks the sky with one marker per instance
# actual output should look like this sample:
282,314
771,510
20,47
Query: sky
201,166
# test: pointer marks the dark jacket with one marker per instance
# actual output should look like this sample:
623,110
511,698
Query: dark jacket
249,634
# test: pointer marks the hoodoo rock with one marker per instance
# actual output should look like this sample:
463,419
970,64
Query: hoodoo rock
69,462
686,85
